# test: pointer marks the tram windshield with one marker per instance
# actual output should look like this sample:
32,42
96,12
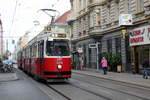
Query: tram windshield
57,48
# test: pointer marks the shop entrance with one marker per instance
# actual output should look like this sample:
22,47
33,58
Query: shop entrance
136,60
141,53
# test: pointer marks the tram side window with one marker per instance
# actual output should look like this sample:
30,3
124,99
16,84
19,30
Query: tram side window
40,49
34,50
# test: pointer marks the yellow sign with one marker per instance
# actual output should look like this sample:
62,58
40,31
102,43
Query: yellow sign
123,31
48,28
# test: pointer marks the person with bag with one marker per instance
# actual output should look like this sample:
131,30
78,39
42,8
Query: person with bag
1,65
145,66
104,65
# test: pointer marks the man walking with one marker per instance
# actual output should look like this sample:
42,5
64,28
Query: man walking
145,66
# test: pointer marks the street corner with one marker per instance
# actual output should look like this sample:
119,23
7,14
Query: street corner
6,77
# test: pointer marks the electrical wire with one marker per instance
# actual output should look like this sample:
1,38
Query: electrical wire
15,9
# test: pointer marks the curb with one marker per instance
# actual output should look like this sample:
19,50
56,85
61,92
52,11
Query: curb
132,83
7,79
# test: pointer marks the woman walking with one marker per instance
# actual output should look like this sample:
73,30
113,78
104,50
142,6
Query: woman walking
104,65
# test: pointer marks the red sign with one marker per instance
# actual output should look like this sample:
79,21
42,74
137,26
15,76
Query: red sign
136,40
140,36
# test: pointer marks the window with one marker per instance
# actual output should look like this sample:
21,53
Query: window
118,45
80,3
90,1
91,19
140,6
34,50
108,12
109,46
98,17
117,10
57,48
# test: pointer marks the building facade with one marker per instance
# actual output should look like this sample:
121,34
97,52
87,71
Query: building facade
97,22
1,39
60,25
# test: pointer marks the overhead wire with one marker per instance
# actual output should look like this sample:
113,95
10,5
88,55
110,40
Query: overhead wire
14,13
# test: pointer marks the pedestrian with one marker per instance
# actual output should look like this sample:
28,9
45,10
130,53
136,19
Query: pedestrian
104,65
145,66
81,63
1,63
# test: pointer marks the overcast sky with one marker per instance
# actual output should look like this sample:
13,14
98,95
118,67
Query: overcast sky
18,15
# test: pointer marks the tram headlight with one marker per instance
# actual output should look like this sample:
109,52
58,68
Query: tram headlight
59,66
56,35
53,35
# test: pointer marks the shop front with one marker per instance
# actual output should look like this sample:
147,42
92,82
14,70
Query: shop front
140,47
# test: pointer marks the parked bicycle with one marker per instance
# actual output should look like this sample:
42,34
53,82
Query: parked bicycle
6,67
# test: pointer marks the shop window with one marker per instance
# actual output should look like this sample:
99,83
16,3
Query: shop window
109,46
118,45
129,53
144,54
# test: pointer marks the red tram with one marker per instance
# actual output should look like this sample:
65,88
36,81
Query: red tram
47,56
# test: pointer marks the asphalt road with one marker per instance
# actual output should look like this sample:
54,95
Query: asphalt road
79,87
22,89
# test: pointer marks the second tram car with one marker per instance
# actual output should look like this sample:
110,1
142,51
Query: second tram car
47,56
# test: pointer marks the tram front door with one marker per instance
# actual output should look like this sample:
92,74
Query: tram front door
41,56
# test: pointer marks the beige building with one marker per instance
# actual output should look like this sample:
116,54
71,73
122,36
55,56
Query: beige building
22,42
1,39
100,22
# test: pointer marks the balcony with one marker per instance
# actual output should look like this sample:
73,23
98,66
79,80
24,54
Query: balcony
96,3
95,28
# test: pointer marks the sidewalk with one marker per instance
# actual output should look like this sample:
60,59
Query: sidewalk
5,77
129,78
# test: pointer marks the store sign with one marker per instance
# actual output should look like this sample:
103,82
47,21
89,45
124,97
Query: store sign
125,19
140,36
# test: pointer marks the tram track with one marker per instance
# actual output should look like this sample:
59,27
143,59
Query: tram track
60,93
42,86
120,91
63,94
96,94
119,83
81,88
